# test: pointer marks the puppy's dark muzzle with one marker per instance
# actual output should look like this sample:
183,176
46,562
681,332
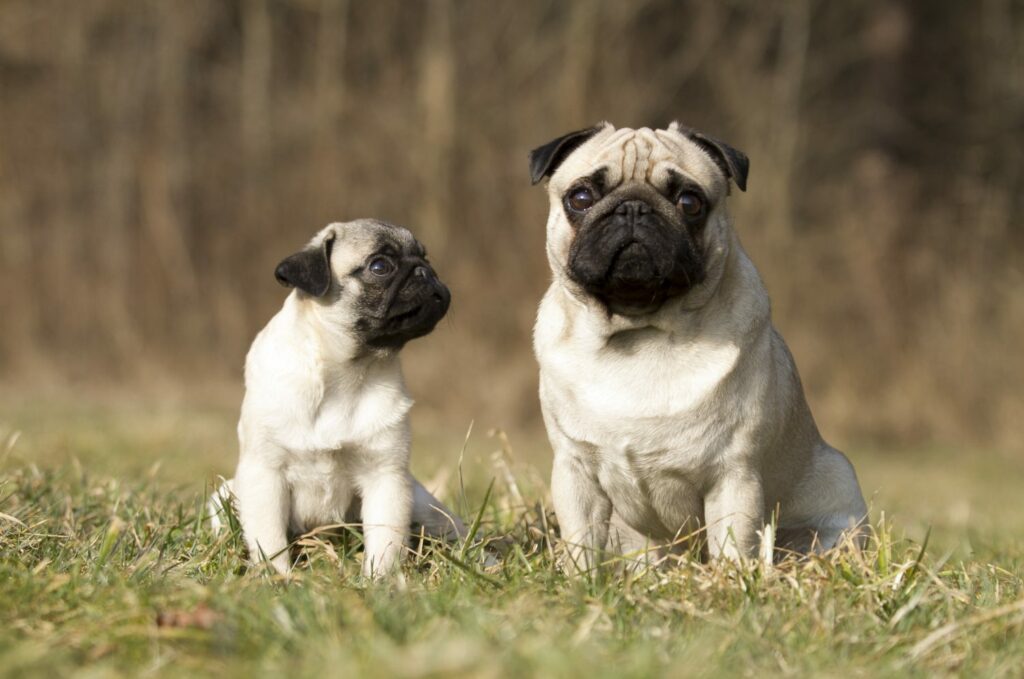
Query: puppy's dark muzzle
419,302
420,291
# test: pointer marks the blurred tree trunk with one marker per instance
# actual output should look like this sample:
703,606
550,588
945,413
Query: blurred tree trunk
329,96
56,244
124,81
579,40
255,112
165,170
1001,89
257,45
786,111
436,94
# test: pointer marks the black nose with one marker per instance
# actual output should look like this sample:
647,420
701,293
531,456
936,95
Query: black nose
632,208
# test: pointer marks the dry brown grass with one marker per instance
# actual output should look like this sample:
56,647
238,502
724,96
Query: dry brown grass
157,159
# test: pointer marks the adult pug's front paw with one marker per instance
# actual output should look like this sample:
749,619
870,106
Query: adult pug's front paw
574,560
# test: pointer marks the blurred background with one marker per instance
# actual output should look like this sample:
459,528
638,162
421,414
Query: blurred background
158,158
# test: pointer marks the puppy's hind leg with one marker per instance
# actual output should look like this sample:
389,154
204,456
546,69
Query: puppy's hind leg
220,503
429,513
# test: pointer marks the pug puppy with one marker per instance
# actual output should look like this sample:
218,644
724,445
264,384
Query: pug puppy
324,430
671,402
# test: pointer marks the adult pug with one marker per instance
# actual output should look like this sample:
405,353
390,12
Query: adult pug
670,400
324,429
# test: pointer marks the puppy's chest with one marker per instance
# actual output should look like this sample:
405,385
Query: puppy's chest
344,421
321,487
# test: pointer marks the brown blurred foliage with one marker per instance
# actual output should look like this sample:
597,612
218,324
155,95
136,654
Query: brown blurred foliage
157,158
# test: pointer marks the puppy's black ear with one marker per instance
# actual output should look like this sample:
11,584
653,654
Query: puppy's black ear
308,270
734,163
544,160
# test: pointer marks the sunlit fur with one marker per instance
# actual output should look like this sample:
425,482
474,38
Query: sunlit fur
324,430
690,416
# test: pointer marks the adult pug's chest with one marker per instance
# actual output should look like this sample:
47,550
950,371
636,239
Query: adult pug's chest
651,424
656,492
643,394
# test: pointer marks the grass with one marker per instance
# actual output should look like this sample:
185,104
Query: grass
107,568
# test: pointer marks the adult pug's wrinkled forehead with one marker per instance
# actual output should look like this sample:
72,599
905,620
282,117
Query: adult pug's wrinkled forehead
672,404
372,277
324,430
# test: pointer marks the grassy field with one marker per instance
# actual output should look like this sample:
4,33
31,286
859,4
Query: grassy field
107,568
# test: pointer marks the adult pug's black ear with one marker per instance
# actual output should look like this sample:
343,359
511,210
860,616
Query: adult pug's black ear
544,160
308,270
733,162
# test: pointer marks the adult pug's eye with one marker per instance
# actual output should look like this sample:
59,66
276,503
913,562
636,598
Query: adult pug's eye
690,203
381,266
580,199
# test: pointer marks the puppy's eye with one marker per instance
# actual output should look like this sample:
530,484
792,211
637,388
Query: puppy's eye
381,266
690,203
580,199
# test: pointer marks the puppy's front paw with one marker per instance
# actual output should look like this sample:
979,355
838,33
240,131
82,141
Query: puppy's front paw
384,553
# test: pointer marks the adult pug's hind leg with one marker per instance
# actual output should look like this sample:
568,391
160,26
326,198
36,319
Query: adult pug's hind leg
583,511
386,514
734,512
826,506
436,519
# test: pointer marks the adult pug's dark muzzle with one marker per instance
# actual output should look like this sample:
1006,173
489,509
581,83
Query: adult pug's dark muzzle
635,265
633,258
